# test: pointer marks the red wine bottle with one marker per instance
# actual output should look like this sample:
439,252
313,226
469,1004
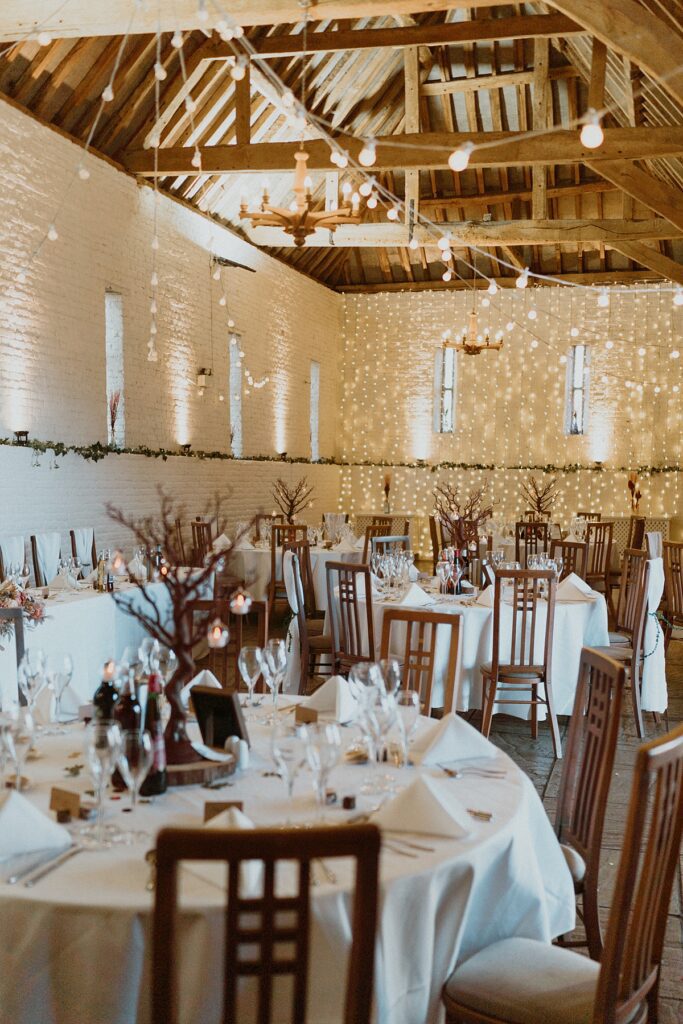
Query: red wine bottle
156,781
105,696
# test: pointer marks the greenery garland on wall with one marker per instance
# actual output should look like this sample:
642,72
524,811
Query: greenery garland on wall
97,451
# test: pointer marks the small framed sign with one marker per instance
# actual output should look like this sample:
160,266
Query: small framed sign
219,715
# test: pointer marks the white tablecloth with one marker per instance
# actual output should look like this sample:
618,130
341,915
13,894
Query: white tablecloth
577,625
88,626
75,948
253,566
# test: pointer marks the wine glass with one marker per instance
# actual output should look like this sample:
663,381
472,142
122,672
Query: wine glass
323,752
58,679
31,674
135,760
102,749
166,662
391,674
249,664
364,678
288,748
273,664
443,572
20,734
559,566
408,713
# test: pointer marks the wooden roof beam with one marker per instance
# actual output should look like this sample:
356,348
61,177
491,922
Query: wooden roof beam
654,193
456,284
652,258
426,150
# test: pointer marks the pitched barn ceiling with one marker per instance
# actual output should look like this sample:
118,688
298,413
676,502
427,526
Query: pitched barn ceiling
615,215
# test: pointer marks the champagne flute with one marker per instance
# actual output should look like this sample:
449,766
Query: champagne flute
408,711
135,760
102,749
21,731
323,752
249,664
273,664
288,748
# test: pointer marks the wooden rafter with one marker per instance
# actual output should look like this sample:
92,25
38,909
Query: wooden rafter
654,193
457,284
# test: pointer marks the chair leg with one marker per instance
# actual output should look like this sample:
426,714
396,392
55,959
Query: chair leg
488,699
591,919
534,712
635,696
610,603
552,717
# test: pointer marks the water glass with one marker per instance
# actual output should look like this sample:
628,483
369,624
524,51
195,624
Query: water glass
249,664
21,731
323,752
31,674
408,712
289,752
59,677
102,749
273,659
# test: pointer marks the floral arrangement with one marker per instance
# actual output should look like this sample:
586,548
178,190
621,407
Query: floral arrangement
13,596
634,491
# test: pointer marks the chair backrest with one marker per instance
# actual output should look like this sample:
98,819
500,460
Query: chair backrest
599,537
222,661
632,957
280,535
83,546
386,545
631,591
201,540
302,622
593,517
12,552
574,555
636,532
418,652
267,936
302,549
530,538
673,577
530,641
372,531
46,552
351,642
180,541
589,756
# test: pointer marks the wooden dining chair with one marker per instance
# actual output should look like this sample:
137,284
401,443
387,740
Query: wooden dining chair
593,517
180,542
515,664
222,661
315,649
201,540
599,540
302,549
346,583
633,621
630,581
267,936
585,782
530,538
46,553
80,547
636,532
525,981
673,587
418,652
387,545
281,534
574,555
371,532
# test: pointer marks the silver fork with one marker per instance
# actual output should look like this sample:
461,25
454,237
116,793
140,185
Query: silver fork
486,773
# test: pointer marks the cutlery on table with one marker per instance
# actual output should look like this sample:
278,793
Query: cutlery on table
486,773
45,869
480,815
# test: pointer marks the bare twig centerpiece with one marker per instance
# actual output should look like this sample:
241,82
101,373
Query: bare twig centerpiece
462,517
166,615
541,497
634,491
114,402
292,500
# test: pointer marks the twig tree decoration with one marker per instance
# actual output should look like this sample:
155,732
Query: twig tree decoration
461,517
292,500
541,497
114,402
634,491
166,616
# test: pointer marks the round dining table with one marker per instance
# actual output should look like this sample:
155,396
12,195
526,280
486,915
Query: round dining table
253,565
76,947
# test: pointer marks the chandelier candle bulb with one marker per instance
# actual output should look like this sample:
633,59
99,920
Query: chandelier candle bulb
592,135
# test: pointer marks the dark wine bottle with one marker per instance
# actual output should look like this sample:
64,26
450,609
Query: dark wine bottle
128,713
106,695
156,781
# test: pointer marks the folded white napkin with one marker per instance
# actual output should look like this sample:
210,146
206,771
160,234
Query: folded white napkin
61,582
24,829
244,544
415,597
203,678
451,739
334,696
221,543
251,871
345,545
486,598
573,588
137,569
427,806
413,574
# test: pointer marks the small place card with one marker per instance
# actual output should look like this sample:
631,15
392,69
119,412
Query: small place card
303,715
214,807
65,800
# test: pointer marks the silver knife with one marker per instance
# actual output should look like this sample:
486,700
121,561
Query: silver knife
45,869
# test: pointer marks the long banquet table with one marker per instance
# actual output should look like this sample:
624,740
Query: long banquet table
75,948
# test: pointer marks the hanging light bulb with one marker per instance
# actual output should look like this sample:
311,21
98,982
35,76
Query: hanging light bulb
222,301
592,135
675,354
231,324
52,233
534,343
446,255
153,306
368,153
44,38
83,173
108,94
444,242
603,298
446,276
239,70
177,39
238,31
392,213
160,72
413,243
532,314
609,344
217,635
217,272
366,186
190,105
641,351
460,157
152,354
522,279
202,12
509,326
372,201
154,279
240,601
678,296
492,288
574,332
485,302
196,158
